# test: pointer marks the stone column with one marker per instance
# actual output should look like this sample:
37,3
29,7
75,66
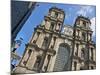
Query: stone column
78,66
24,59
45,63
72,66
49,65
40,38
94,54
31,60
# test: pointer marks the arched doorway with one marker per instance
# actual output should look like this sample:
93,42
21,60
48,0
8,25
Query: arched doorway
62,57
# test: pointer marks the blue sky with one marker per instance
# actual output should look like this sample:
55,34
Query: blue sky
37,16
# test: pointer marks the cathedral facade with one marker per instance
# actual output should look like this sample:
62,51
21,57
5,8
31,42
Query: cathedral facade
55,47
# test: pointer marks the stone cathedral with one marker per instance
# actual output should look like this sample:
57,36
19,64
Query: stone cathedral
55,47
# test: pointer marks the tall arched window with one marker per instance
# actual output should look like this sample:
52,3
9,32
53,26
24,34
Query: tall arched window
48,60
83,53
52,26
45,42
91,53
83,36
37,62
62,57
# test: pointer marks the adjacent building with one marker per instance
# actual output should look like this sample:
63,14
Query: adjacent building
56,47
20,12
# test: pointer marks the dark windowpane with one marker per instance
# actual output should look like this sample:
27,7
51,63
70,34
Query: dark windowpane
45,43
52,26
82,68
91,53
48,60
58,27
84,24
90,37
75,65
37,63
92,67
78,32
56,15
77,46
29,52
83,36
54,39
38,33
24,62
82,54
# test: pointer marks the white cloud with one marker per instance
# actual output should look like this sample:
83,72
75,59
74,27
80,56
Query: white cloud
89,11
66,16
84,10
93,25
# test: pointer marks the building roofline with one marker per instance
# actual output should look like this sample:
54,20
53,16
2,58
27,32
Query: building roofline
68,26
54,7
83,17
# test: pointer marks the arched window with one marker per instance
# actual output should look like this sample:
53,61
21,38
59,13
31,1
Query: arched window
77,47
62,57
84,24
45,42
37,36
56,14
82,53
37,62
48,60
83,36
75,65
54,39
52,26
91,53
58,26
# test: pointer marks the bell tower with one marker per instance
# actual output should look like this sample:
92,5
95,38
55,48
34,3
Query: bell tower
83,57
40,50
54,20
